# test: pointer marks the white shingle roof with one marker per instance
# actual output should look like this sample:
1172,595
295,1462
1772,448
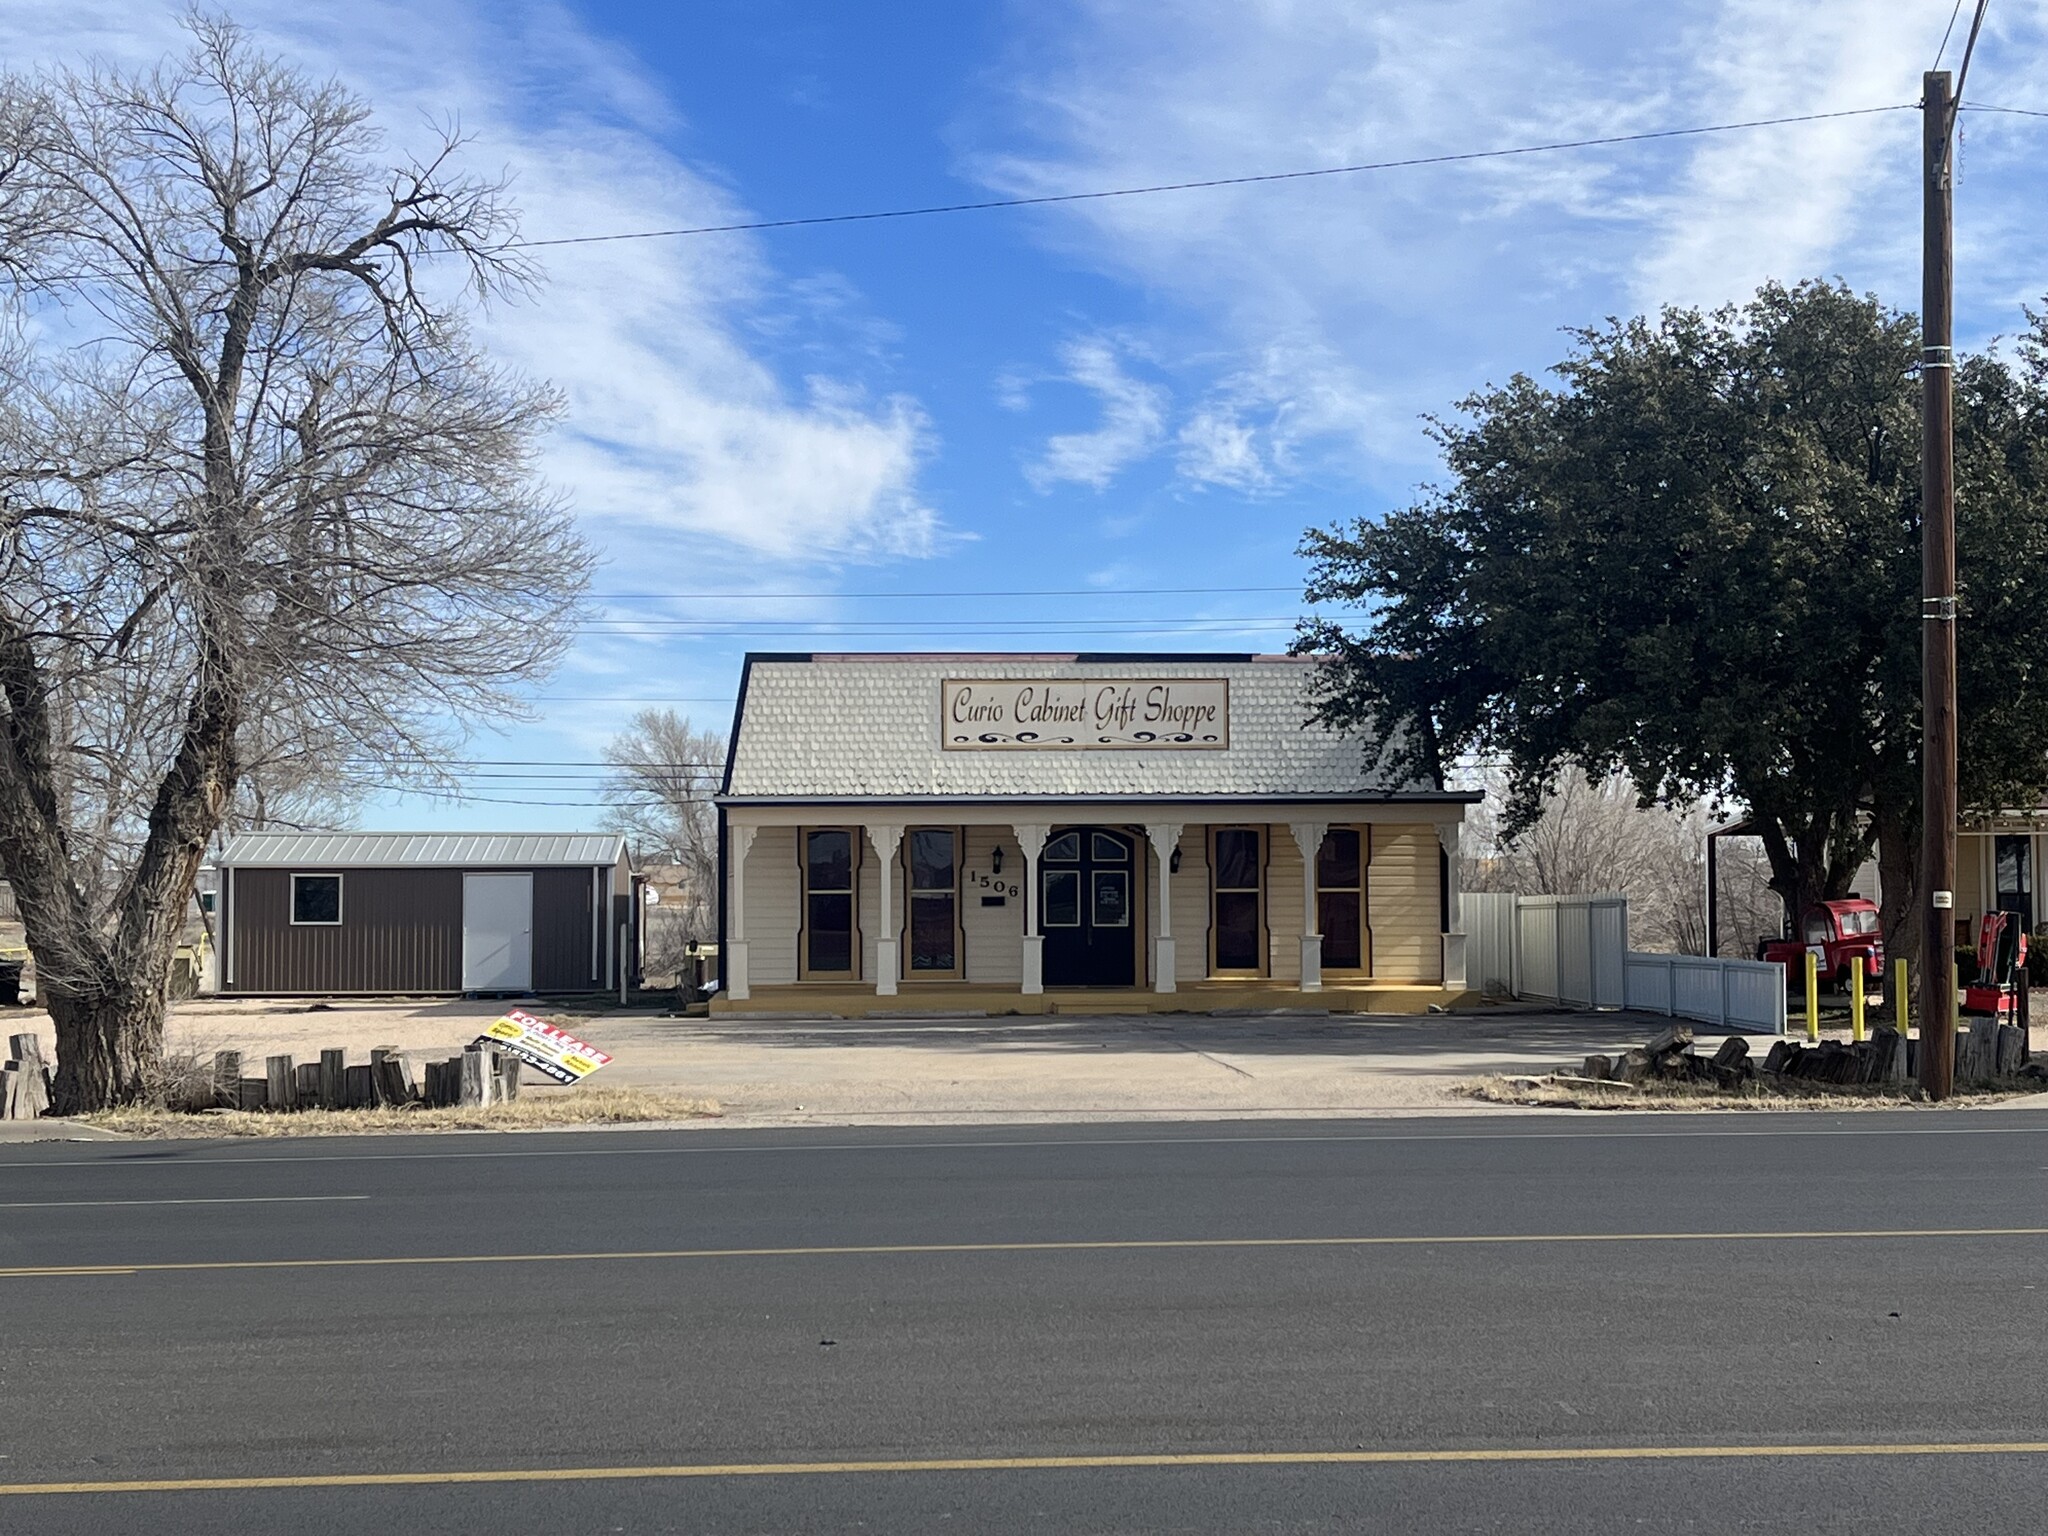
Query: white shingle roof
869,726
333,850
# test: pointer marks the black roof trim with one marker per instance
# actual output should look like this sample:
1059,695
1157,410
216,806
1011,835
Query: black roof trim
1099,657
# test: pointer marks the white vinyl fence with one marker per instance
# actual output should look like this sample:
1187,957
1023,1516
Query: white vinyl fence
1569,950
1744,995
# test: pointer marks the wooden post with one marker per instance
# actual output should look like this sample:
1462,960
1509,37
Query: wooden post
281,1082
227,1079
387,1078
24,1082
1856,998
1812,998
1899,996
308,1074
476,1076
1937,590
358,1091
333,1083
624,967
2024,1014
507,1085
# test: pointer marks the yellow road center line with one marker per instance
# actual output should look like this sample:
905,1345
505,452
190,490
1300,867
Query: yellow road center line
1113,1245
1581,1453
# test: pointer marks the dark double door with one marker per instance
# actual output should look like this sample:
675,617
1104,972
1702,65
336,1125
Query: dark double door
1087,883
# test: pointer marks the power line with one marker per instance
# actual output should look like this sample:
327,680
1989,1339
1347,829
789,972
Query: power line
680,597
543,762
859,629
1945,31
1969,50
1216,181
620,698
1978,106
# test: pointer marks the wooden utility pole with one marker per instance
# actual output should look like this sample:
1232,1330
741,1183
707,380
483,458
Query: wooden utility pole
1937,595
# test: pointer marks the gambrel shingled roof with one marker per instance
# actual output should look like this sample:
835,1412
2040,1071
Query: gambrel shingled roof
868,726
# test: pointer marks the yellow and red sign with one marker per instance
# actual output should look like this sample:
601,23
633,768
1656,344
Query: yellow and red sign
544,1046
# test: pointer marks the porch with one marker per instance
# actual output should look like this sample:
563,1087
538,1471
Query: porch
965,999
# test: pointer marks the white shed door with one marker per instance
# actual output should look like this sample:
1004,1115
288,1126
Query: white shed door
497,933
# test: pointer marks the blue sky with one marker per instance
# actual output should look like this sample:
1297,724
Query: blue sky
1107,398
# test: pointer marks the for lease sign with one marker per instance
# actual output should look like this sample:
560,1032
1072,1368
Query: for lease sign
553,1051
1084,713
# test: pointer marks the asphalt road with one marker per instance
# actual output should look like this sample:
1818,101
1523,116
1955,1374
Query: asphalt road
1486,1324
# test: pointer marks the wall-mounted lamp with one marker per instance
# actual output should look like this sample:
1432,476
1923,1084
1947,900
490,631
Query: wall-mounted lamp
1173,862
995,862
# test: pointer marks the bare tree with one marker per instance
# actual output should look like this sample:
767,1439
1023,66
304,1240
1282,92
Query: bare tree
257,491
1597,835
663,775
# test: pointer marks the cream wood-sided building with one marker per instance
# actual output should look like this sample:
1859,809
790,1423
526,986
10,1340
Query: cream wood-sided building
1100,832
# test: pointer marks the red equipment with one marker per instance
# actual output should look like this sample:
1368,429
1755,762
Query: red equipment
2001,968
1843,933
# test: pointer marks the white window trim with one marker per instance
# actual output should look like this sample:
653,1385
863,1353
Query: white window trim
340,896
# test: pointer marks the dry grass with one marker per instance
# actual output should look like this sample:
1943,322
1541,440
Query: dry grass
576,1106
1781,1094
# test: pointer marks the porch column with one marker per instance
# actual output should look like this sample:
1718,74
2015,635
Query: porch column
1164,836
739,839
1448,834
887,840
1031,843
1308,837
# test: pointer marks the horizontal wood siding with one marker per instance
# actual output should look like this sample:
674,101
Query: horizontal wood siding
1191,912
994,936
400,931
561,931
1403,904
1283,905
774,897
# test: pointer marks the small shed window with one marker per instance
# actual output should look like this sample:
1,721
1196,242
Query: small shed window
316,899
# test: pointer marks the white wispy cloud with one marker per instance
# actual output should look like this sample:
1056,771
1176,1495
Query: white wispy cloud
682,442
1744,209
1133,420
1320,319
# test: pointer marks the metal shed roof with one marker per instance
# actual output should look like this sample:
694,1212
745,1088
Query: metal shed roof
476,850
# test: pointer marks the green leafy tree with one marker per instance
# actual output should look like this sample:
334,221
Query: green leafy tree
1694,560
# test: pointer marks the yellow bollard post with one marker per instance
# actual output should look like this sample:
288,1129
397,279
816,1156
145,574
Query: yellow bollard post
1899,995
1812,998
1856,998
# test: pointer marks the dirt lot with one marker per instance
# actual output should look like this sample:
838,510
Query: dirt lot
937,1070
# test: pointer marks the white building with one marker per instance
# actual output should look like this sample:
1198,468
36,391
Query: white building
1110,832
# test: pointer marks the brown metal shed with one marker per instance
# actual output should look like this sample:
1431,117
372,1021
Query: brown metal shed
420,912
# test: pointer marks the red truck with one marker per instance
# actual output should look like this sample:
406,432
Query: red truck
1843,933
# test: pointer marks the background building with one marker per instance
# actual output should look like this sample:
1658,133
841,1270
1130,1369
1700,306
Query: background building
411,912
